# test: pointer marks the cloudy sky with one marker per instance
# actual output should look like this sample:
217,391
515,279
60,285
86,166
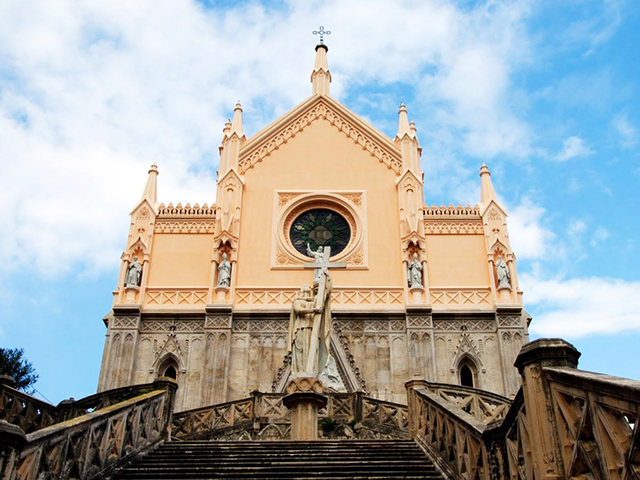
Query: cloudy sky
92,92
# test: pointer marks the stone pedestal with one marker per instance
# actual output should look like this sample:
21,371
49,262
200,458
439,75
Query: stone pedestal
221,294
504,295
304,399
130,293
416,295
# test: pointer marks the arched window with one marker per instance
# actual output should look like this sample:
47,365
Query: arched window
170,371
466,376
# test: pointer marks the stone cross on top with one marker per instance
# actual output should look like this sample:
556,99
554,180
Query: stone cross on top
322,32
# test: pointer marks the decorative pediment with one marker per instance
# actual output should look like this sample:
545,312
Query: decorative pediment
466,348
171,346
274,136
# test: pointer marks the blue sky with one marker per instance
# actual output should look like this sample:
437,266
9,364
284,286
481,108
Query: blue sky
93,92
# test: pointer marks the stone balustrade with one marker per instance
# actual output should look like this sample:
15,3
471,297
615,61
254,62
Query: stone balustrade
263,416
99,433
563,423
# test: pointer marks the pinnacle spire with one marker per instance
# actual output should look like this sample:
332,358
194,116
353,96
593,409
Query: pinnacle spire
487,193
151,188
236,123
321,76
404,127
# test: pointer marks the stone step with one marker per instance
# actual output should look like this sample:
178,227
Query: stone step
355,459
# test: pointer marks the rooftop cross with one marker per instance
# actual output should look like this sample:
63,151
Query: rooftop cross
322,32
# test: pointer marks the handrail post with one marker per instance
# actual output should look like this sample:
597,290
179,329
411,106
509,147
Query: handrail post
412,405
12,441
546,448
170,385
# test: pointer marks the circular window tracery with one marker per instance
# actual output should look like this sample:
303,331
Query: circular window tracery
320,227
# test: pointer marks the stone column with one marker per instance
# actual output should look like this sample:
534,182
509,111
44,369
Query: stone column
304,399
541,421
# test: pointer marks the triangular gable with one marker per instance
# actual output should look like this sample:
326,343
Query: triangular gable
278,133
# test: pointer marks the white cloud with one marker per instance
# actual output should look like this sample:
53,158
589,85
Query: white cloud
626,131
599,236
530,238
573,147
93,92
572,308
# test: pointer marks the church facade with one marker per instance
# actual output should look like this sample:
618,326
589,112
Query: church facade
205,291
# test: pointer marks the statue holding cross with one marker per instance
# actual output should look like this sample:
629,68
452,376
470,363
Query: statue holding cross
310,322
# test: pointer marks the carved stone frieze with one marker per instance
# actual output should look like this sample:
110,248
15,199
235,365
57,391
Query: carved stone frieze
419,322
466,324
185,227
125,322
172,326
442,227
218,321
509,321
384,325
262,326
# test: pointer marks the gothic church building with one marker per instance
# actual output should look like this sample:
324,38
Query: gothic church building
428,291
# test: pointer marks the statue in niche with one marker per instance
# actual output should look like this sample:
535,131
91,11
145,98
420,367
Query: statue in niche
414,273
224,272
503,274
330,376
134,274
310,316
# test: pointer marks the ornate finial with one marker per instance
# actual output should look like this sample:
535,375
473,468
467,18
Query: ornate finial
322,32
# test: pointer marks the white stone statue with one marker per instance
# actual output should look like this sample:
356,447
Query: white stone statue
503,274
318,256
134,274
414,273
224,272
308,312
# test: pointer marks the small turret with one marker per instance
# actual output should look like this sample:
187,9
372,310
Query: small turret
236,124
403,124
487,193
151,188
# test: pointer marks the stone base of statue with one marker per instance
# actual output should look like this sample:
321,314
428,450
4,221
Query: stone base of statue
504,294
416,295
130,293
304,399
221,294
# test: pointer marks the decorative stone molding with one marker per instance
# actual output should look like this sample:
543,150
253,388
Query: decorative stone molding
172,326
419,322
125,322
452,211
169,211
304,385
262,326
461,325
178,296
218,321
256,153
340,296
452,227
185,226
460,296
509,321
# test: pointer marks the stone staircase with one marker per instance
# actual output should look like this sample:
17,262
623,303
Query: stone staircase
355,459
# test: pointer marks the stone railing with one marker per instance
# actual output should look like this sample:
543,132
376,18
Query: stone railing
452,424
562,424
31,414
90,445
263,416
25,411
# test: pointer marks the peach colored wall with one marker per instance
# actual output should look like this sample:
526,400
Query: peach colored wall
180,260
319,158
457,260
